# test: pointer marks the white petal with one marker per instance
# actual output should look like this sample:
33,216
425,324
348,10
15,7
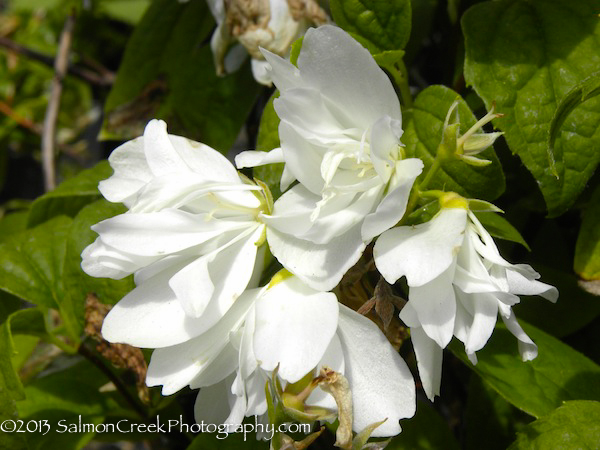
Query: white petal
435,305
102,261
302,158
212,403
157,314
309,114
320,266
221,367
421,252
262,72
429,361
234,59
294,325
161,233
485,313
520,285
207,163
175,367
527,348
218,277
256,158
160,153
385,140
382,385
131,172
335,64
283,73
292,211
392,207
255,393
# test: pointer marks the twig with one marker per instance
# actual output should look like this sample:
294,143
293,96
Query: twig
24,122
137,407
60,69
105,79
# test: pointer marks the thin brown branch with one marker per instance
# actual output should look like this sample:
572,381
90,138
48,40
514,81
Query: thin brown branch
24,122
48,132
106,78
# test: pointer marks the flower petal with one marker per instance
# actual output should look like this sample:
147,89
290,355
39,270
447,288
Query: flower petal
294,325
527,348
213,402
435,305
520,285
161,233
429,361
382,385
131,172
335,64
175,367
256,158
393,206
421,252
320,266
261,70
220,277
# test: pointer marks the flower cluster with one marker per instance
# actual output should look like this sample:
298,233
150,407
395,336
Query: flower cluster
196,235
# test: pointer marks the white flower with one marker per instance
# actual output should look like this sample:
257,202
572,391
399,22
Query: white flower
297,329
340,138
458,282
190,236
270,24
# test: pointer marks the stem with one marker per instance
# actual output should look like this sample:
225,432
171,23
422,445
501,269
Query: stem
48,134
431,172
401,79
85,352
105,78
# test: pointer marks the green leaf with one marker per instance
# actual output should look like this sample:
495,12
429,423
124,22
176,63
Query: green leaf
527,56
587,249
588,88
12,223
268,139
501,228
575,424
74,389
26,321
490,421
385,24
8,411
558,374
422,136
77,283
70,196
31,263
425,431
168,72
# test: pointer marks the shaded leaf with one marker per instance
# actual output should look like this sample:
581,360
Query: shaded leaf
70,196
31,263
526,56
385,24
558,374
167,72
575,424
425,431
587,249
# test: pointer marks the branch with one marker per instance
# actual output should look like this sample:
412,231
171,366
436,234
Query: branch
48,132
106,79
